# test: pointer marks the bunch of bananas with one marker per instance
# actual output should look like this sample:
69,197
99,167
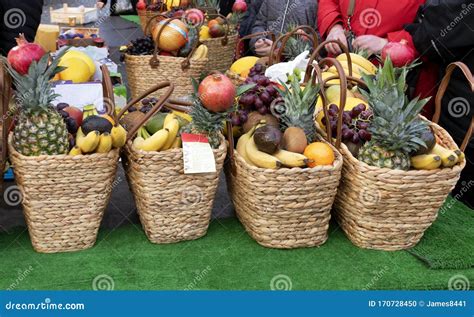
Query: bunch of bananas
360,65
95,142
164,139
200,53
247,148
438,157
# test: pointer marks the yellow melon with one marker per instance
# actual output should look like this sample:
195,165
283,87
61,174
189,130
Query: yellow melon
243,65
76,70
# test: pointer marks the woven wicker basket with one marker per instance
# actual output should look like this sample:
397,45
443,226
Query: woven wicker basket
386,209
172,206
64,197
288,207
143,71
145,17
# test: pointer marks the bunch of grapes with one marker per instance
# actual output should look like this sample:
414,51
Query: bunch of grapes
142,46
259,98
71,123
146,105
355,123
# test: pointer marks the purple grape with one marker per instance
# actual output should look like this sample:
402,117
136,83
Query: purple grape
365,135
334,107
263,81
235,120
258,68
346,117
62,105
355,138
332,113
360,107
348,134
145,101
132,109
271,90
362,125
365,115
247,100
265,97
355,112
262,110
243,117
259,103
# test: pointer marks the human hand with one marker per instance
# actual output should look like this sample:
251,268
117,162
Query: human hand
263,47
369,43
336,33
100,4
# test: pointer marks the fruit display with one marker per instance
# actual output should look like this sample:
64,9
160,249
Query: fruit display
173,35
289,142
217,93
243,65
21,56
390,133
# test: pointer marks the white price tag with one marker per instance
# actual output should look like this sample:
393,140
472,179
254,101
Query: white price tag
197,154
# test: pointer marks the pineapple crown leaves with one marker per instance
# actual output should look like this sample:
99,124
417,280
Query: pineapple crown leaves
34,90
396,125
299,105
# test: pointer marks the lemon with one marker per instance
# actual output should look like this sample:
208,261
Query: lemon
85,58
76,70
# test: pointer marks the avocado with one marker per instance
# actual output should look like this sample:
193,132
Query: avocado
268,138
96,123
156,123
430,140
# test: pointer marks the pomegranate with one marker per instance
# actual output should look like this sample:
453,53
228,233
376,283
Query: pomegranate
21,56
141,5
217,93
399,52
240,6
194,16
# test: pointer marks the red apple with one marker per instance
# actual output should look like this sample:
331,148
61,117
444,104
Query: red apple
239,6
75,113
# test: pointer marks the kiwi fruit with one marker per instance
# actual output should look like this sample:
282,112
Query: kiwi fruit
294,140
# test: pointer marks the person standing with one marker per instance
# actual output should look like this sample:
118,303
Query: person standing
443,42
18,17
277,15
113,4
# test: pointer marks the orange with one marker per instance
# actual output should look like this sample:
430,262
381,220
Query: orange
320,153
212,22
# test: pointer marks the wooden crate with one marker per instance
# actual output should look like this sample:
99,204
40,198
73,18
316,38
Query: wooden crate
82,14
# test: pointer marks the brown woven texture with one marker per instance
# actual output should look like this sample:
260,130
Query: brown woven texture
386,209
145,17
141,76
221,56
64,197
284,208
172,206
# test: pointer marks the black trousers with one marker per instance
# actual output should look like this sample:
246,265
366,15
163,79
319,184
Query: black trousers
113,4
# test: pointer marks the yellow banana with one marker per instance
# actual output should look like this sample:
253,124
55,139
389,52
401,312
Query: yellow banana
355,73
461,155
178,143
168,118
105,143
87,143
426,161
448,157
138,142
359,60
144,133
259,158
75,151
156,141
173,128
183,115
291,159
200,53
119,136
326,75
356,68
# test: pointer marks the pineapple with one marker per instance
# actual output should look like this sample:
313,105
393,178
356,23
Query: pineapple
205,122
298,107
296,44
396,129
39,130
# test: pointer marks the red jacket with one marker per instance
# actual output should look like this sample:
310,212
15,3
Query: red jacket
384,19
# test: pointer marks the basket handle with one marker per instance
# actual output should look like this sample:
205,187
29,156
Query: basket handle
109,96
179,105
342,97
276,51
154,61
316,56
157,107
225,39
251,36
442,89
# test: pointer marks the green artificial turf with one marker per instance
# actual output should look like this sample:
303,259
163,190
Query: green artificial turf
449,243
227,258
131,18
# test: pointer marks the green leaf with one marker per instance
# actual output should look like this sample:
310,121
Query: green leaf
244,88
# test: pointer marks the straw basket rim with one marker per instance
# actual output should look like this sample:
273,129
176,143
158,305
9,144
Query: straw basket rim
167,58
